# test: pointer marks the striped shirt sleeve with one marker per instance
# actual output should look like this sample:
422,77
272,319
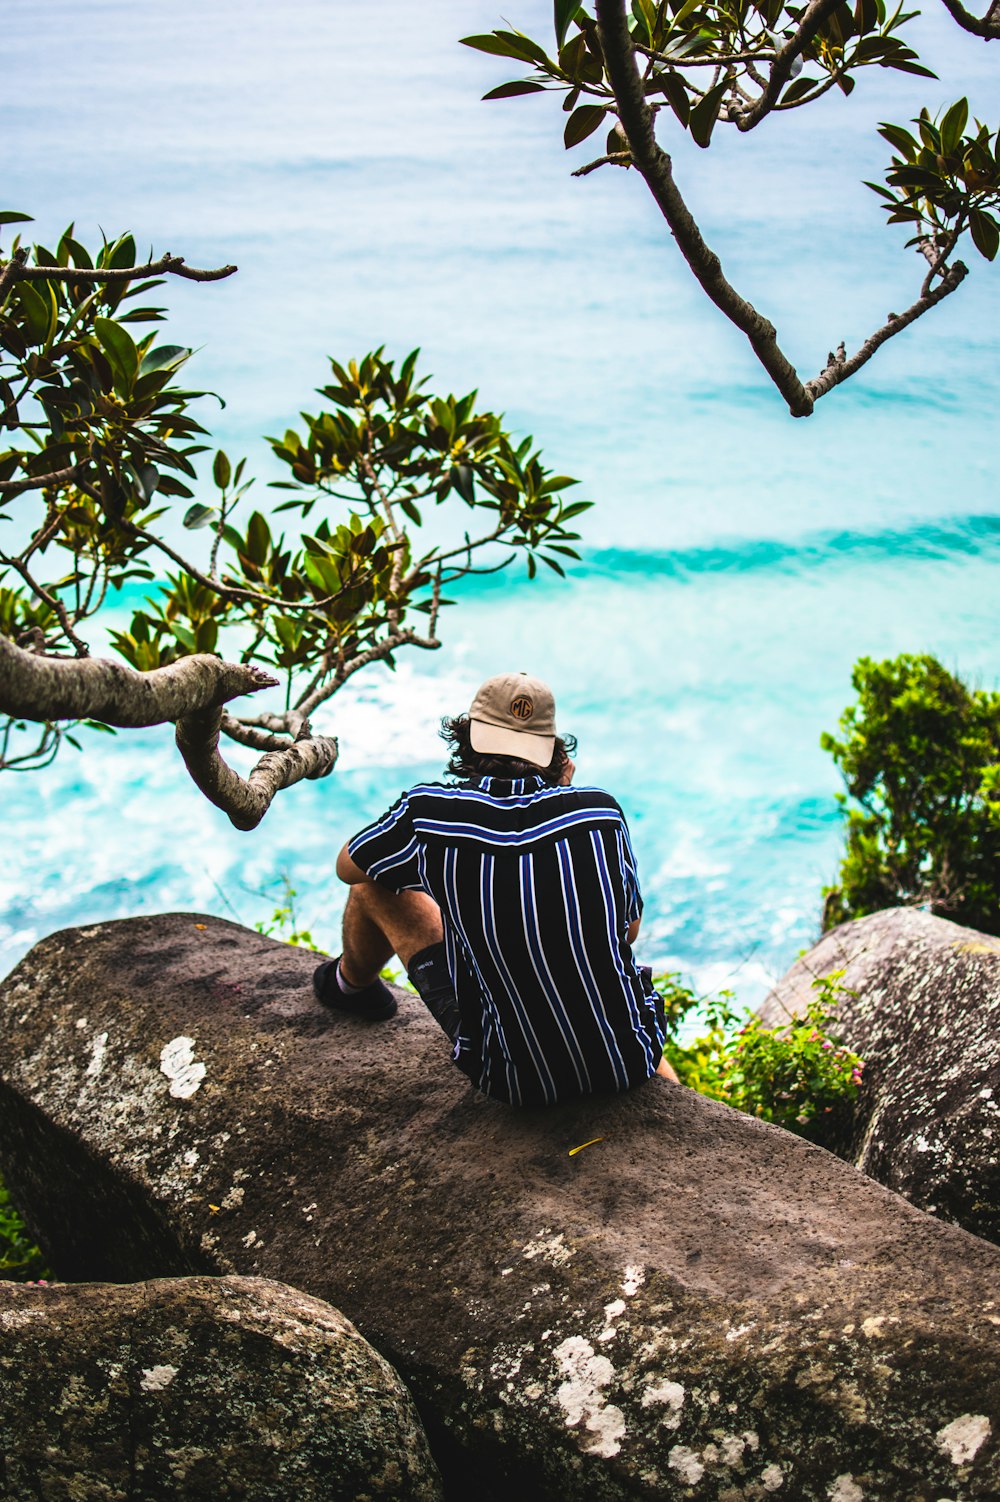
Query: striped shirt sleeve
388,850
630,873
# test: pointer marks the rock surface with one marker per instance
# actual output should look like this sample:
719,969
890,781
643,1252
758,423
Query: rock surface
696,1304
190,1389
925,1016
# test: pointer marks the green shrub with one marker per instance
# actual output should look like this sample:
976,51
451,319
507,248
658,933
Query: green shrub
797,1075
20,1259
920,756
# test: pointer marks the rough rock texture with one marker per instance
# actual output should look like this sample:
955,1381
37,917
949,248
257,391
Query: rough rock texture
695,1305
925,1017
198,1388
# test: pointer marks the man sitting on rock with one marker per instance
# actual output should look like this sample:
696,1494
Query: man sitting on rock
512,900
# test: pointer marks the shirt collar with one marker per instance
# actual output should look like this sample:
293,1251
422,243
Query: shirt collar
510,787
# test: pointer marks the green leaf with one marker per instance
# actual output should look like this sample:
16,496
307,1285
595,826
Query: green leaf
565,11
462,480
258,539
221,470
507,44
985,233
582,123
163,357
198,516
705,113
118,346
900,138
11,216
511,90
677,96
953,126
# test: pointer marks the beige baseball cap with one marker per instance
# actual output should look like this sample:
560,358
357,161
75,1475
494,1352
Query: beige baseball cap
514,715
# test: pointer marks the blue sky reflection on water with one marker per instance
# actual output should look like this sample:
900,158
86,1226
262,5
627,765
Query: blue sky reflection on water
737,562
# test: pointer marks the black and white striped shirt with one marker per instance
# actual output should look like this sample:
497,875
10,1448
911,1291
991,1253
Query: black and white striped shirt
537,886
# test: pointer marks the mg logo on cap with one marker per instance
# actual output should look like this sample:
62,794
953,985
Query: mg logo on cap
522,708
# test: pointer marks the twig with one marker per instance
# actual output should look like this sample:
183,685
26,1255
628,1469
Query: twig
52,601
15,270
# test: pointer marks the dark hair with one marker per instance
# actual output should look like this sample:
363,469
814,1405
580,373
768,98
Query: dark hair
466,763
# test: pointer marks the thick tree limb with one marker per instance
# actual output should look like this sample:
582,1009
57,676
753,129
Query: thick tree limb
655,166
987,26
34,687
263,732
247,800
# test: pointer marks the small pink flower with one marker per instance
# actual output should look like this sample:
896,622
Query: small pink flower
827,1043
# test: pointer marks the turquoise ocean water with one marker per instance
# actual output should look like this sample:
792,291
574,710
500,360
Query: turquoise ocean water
736,563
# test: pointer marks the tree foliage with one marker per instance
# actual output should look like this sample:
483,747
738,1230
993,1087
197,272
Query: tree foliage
920,756
700,64
103,448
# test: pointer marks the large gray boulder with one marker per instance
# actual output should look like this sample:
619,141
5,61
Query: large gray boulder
696,1304
192,1389
923,1010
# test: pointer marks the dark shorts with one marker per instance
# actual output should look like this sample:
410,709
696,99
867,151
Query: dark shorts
428,971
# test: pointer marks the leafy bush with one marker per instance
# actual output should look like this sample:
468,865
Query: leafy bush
797,1075
920,756
20,1259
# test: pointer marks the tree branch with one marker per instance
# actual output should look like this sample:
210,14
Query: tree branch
839,367
52,601
813,17
656,168
40,482
988,26
266,732
247,800
34,687
16,270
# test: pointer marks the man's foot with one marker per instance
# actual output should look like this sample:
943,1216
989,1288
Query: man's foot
374,1003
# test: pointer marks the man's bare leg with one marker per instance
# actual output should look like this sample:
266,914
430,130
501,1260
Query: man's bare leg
379,924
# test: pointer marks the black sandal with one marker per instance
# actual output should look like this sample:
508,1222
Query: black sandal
375,1003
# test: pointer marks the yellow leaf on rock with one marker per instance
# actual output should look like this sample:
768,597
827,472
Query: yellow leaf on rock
574,1150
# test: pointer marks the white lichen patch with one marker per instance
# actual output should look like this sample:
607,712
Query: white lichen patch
233,1200
580,1396
731,1448
687,1465
552,1249
671,1395
612,1311
249,1238
178,1063
872,1327
98,1049
156,1378
962,1438
771,1477
633,1280
10,1319
738,1330
845,1489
